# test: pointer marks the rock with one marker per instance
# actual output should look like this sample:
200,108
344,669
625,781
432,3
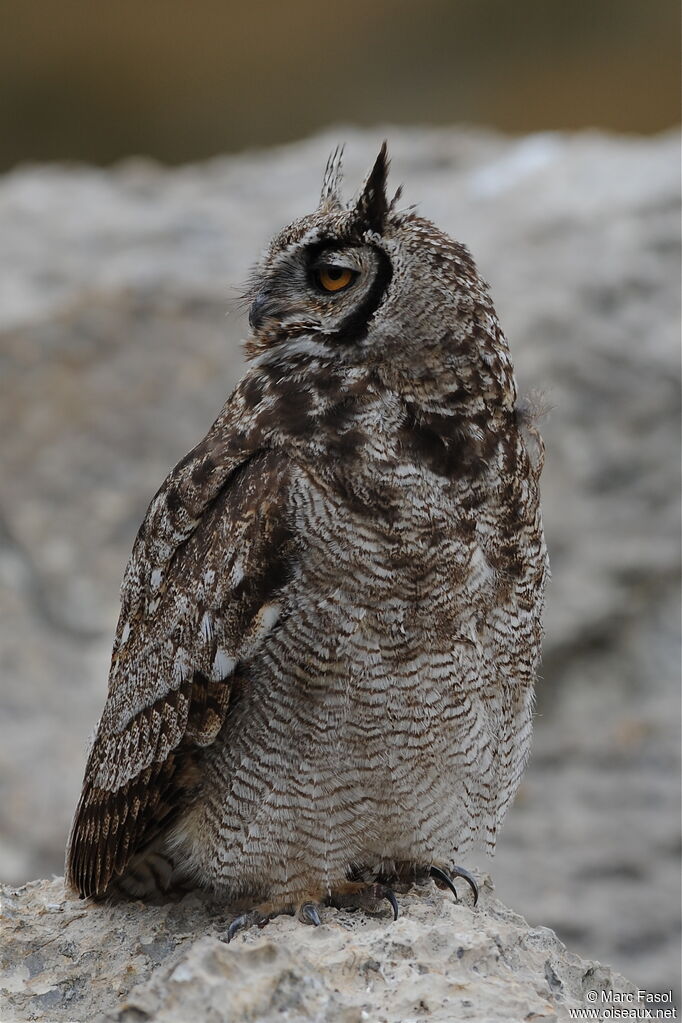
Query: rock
66,960
116,354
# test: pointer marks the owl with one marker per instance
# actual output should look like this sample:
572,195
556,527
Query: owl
321,684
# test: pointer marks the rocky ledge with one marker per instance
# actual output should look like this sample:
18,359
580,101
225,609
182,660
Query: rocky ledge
66,960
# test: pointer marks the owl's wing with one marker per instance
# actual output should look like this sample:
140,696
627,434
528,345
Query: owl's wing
199,593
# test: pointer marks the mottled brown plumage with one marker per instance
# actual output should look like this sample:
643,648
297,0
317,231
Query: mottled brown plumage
330,627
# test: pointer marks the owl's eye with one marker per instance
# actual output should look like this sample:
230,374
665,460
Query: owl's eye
334,278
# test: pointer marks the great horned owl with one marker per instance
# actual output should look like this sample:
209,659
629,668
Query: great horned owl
322,677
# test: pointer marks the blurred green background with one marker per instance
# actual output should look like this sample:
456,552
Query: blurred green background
180,80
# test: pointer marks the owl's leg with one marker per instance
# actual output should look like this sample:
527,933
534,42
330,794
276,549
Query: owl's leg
443,879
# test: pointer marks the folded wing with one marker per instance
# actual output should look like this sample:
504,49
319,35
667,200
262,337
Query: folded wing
200,592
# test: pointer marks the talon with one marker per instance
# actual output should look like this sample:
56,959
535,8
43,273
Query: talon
382,891
309,915
246,920
439,875
394,902
469,878
237,924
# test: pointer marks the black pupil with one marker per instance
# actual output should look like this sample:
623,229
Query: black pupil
335,272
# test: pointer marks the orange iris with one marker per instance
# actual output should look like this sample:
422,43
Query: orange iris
334,278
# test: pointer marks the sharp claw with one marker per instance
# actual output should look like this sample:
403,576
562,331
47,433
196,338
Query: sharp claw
441,876
246,920
382,891
469,878
390,895
309,914
237,924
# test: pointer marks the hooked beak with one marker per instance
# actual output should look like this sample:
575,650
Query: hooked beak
261,308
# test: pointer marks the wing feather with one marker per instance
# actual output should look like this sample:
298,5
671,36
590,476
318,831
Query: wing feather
192,601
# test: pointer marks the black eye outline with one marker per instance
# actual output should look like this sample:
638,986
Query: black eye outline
334,272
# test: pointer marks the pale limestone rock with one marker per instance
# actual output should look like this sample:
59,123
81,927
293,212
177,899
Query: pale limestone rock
66,961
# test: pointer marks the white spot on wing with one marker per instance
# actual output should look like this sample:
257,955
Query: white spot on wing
269,615
206,627
125,633
262,624
237,573
182,668
155,578
223,665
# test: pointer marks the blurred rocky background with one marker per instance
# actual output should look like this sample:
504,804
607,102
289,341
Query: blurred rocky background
119,340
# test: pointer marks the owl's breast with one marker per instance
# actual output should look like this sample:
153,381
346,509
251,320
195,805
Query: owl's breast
380,593
379,717
417,573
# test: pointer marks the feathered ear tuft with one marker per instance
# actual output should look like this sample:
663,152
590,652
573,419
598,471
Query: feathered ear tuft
372,206
331,182
393,205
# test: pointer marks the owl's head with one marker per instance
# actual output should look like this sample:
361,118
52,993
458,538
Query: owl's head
367,284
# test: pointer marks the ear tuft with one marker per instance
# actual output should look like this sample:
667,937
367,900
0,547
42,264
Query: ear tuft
393,205
372,206
331,182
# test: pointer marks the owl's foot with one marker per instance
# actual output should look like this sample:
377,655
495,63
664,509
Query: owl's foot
252,919
307,913
356,895
443,879
352,895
